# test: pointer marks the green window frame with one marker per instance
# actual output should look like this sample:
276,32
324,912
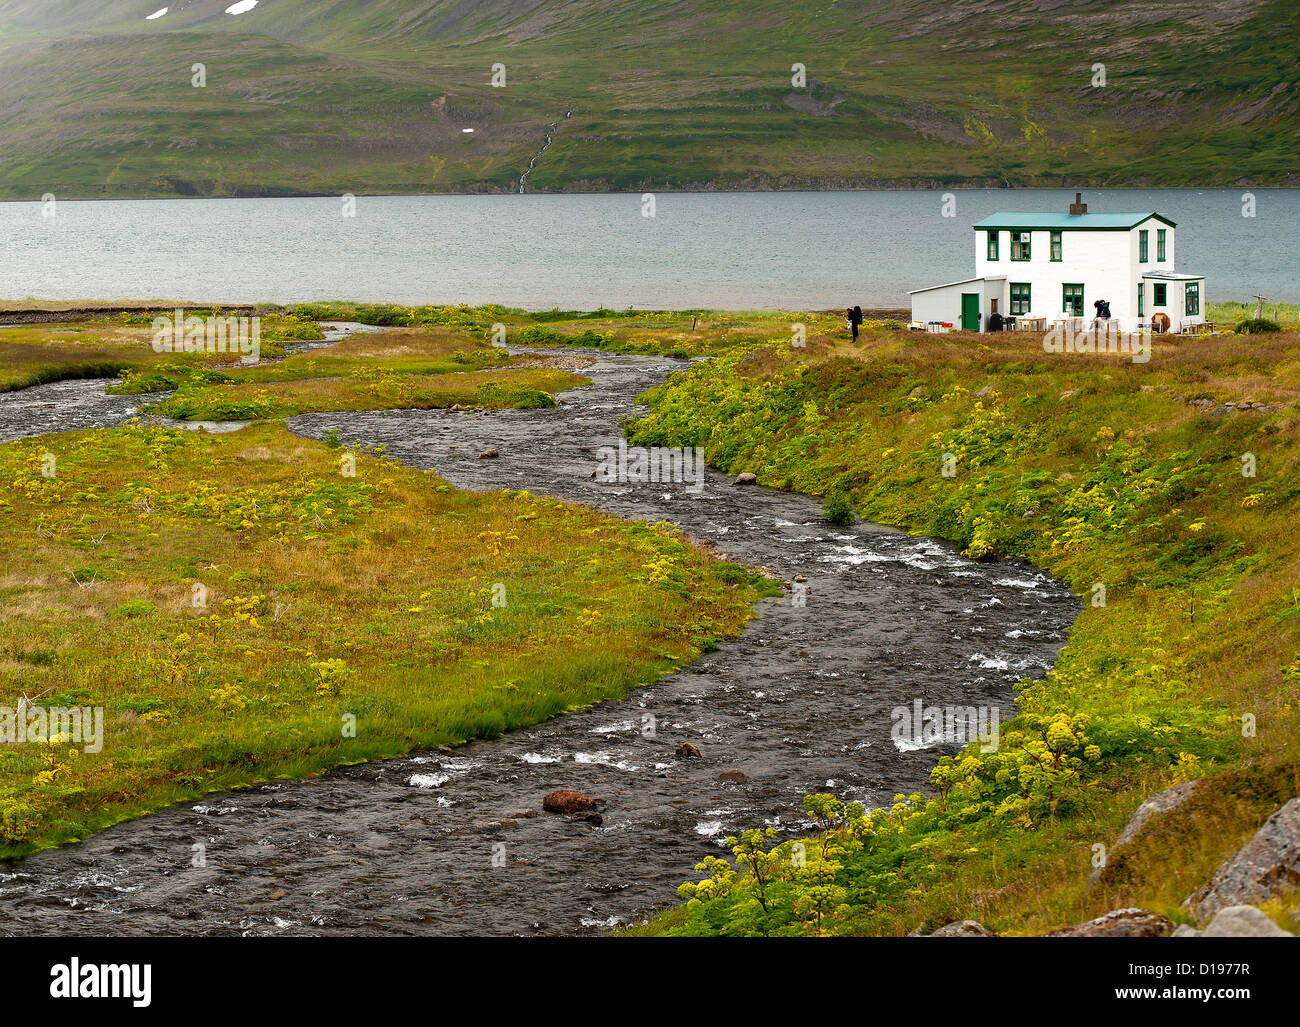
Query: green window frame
1072,298
1056,246
992,250
1142,246
1020,245
1159,294
1160,244
1019,298
1192,299
1142,290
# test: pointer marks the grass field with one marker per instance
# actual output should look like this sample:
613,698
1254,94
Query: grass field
107,346
1185,664
368,389
242,608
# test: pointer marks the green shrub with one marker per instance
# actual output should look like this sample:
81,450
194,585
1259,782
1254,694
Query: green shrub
837,505
1257,325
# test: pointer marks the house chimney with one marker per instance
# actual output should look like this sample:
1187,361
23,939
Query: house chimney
1078,206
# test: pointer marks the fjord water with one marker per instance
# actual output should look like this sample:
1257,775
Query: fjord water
729,251
440,842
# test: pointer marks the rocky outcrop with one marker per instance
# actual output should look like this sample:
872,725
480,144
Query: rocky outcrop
1208,406
1162,802
567,801
1120,923
958,929
1264,866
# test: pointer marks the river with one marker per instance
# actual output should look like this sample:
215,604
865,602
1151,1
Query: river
441,842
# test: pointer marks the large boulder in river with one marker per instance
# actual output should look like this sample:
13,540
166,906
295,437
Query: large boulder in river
687,751
1267,864
735,777
746,478
566,800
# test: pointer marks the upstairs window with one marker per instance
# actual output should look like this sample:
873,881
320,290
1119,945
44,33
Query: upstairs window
1056,245
1142,246
1158,294
1072,300
1019,298
1193,299
993,245
1160,244
1020,245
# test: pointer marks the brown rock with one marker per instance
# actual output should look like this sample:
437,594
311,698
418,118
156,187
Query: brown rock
736,777
566,800
1120,923
958,929
687,750
489,454
746,478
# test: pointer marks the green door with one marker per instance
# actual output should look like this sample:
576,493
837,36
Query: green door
970,312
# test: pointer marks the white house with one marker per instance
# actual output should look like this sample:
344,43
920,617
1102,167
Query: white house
1052,267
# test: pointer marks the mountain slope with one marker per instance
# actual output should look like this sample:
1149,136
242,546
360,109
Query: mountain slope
333,96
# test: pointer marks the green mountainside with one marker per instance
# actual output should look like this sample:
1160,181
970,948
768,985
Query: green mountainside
333,96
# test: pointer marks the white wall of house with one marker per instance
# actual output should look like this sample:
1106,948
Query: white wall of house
1105,262
1100,261
944,302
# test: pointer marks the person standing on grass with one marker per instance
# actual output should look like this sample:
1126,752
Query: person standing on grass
855,319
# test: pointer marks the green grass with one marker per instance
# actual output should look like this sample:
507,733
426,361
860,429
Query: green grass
1229,314
1103,472
110,345
680,333
97,103
368,389
345,618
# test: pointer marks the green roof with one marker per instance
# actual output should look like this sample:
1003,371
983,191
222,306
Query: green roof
1017,220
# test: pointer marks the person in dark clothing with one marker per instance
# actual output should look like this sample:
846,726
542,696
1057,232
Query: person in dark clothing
995,322
855,319
1103,310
